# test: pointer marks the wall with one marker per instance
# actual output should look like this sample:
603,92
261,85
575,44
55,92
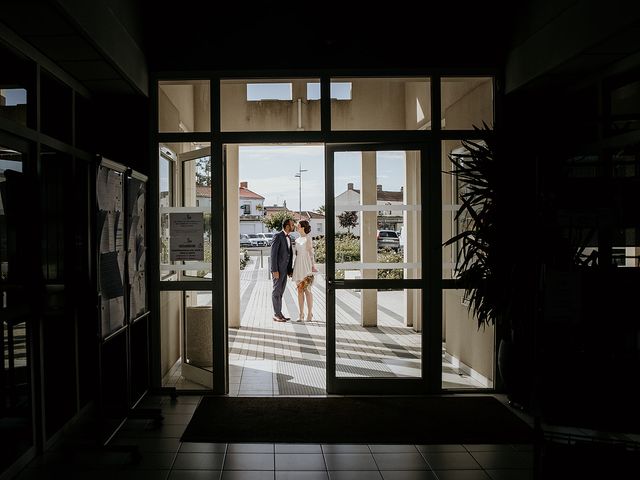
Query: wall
181,98
348,197
468,103
317,227
251,201
170,325
464,341
238,114
375,105
169,117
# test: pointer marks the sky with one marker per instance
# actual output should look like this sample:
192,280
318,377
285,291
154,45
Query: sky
14,96
270,171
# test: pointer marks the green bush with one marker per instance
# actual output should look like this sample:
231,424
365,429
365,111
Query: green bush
389,256
347,249
319,250
244,258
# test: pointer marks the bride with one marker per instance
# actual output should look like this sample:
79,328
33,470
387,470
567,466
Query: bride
303,269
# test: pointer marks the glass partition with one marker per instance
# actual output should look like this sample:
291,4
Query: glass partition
466,102
374,297
185,211
16,427
270,105
467,352
17,87
384,347
186,324
184,106
381,103
382,219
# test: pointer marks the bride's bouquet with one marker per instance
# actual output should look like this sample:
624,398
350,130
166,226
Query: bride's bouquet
305,283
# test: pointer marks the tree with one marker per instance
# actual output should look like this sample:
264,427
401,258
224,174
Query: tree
275,220
320,209
348,220
203,171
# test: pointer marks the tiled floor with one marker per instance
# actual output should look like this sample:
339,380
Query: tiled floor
164,456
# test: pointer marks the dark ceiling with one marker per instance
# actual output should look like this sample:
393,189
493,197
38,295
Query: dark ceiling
322,34
192,35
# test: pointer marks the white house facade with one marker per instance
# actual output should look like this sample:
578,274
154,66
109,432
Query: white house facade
251,210
386,219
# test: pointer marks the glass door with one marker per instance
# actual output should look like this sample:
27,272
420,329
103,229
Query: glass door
186,267
16,295
376,259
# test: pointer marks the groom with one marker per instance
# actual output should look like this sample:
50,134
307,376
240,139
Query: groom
281,267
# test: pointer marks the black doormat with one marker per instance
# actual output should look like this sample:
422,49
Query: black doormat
411,420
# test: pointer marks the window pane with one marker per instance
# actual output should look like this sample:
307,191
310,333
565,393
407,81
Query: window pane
186,320
268,105
467,352
339,91
466,102
378,213
625,107
377,333
15,228
185,211
184,106
452,191
380,104
269,91
17,78
10,170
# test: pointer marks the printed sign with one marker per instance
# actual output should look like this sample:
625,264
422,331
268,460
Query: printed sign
186,232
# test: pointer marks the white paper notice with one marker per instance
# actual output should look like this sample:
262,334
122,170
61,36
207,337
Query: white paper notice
186,231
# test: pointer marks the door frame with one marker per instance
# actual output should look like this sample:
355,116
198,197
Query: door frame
429,284
182,285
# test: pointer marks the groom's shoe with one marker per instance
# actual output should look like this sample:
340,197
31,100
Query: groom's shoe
279,318
284,319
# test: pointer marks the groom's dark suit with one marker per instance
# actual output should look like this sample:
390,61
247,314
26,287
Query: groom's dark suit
281,262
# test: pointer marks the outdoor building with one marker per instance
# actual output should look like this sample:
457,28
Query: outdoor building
271,209
203,196
251,210
315,219
386,219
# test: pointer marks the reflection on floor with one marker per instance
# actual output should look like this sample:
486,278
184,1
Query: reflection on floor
271,358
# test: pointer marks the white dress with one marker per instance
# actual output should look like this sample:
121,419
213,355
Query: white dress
303,264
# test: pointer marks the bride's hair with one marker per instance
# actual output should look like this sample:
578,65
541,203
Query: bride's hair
304,224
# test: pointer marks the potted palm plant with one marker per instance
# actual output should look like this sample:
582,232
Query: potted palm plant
482,269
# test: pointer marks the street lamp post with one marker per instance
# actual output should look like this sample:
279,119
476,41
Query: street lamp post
299,177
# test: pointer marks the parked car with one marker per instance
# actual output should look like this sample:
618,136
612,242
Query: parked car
257,240
388,239
245,241
268,237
